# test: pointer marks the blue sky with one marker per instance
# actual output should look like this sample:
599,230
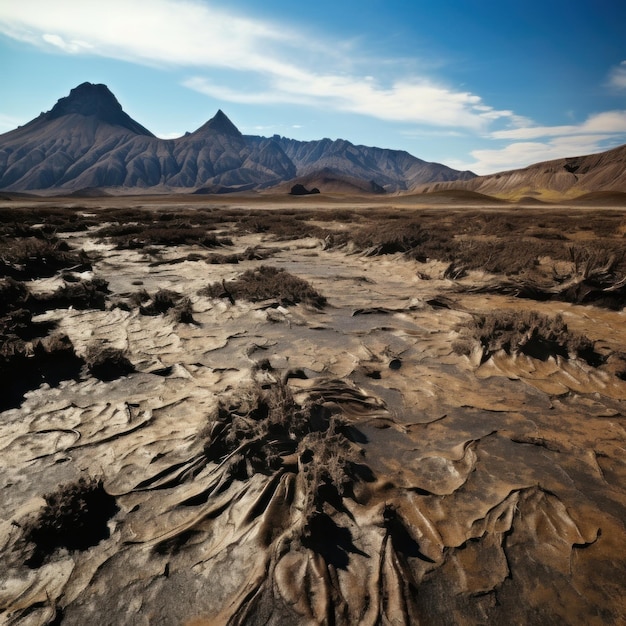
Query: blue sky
478,84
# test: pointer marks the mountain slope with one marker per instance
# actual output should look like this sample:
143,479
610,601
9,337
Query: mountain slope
552,180
86,140
397,170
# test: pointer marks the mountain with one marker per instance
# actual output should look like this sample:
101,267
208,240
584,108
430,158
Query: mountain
396,170
87,141
561,179
94,100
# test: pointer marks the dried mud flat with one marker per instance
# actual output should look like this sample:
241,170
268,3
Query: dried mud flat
235,415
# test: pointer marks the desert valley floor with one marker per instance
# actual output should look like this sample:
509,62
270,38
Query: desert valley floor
231,412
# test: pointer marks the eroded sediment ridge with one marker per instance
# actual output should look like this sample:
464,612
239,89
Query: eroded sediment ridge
383,437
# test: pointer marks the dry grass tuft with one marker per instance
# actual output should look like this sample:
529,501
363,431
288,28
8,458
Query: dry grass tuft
526,332
266,283
74,517
81,295
390,237
107,363
163,301
281,225
265,430
29,257
26,365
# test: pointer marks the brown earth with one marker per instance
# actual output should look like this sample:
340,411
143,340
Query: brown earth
559,180
435,436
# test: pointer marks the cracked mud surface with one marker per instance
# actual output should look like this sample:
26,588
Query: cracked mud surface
286,464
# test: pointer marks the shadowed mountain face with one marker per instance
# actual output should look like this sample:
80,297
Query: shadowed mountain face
87,141
95,100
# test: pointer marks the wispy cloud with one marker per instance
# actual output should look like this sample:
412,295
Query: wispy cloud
74,46
532,143
608,122
164,32
617,76
417,101
283,59
522,153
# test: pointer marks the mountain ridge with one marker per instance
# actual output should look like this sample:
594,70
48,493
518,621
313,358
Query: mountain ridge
87,141
558,179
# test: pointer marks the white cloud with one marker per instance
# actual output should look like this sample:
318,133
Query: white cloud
164,32
607,122
617,76
419,101
597,133
72,47
196,34
523,153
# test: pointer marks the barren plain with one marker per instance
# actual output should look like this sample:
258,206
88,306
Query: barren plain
273,410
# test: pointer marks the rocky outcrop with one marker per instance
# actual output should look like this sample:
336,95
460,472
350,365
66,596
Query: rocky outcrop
300,190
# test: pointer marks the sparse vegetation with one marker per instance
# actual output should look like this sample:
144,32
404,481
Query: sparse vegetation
526,332
390,237
500,243
29,257
284,467
162,301
81,295
249,254
13,294
107,363
137,236
595,276
265,429
26,365
74,517
266,283
183,311
281,225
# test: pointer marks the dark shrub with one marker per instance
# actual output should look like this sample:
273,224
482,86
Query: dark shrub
13,294
526,332
37,258
106,363
280,225
267,283
163,301
146,233
74,517
81,295
183,312
25,366
269,429
388,238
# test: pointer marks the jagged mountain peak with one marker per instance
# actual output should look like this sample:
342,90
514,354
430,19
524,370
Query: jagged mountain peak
220,123
89,99
87,141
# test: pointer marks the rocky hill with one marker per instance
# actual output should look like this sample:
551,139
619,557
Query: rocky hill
552,180
87,141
